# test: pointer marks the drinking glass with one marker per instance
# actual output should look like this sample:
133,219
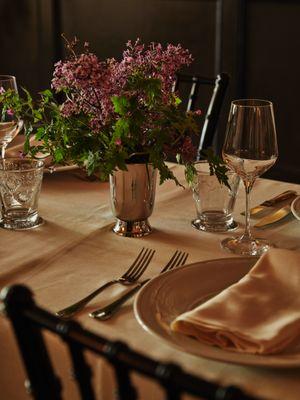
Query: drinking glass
20,185
250,149
214,202
10,125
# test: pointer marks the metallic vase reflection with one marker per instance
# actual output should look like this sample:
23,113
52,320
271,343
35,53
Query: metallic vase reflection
132,195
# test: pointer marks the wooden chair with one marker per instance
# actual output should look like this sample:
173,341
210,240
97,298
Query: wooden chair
189,88
28,320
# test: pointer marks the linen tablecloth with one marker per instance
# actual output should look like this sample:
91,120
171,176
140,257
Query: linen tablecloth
75,251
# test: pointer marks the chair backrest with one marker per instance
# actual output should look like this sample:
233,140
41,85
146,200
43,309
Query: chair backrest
28,320
189,87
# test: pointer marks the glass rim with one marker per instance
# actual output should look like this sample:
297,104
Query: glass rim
7,77
260,103
39,164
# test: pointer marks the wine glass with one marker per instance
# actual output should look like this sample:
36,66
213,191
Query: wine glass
10,125
250,149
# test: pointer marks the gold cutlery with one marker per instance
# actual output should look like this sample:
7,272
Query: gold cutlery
274,217
179,258
130,277
288,194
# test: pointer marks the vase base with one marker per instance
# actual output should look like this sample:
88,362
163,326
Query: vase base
134,229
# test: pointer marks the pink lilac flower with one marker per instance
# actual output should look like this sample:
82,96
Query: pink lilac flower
10,112
90,83
2,90
185,148
69,108
188,150
87,81
154,62
95,125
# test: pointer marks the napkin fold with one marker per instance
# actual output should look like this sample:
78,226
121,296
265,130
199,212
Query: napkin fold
15,148
260,314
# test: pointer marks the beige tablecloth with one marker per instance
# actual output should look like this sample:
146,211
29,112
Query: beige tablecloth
75,251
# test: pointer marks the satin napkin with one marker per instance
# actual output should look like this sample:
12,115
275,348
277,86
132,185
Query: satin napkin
260,314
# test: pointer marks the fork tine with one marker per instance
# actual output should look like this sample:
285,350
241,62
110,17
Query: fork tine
174,257
139,264
135,262
184,259
180,259
176,261
143,265
173,261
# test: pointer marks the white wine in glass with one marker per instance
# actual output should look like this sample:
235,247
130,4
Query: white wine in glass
250,149
10,125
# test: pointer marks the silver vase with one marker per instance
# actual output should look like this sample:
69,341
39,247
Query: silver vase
132,195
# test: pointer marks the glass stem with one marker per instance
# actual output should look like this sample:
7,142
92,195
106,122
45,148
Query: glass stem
3,148
247,234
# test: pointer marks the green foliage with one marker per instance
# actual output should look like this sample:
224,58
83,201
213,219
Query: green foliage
190,173
121,104
217,167
71,139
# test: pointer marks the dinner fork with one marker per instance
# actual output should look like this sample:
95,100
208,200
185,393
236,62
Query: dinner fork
134,272
179,258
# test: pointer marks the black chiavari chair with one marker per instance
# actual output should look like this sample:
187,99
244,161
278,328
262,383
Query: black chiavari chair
28,322
189,88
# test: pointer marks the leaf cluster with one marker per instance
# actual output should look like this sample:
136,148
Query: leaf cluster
143,123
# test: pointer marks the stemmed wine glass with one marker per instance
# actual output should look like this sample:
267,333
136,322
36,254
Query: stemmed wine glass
250,149
10,125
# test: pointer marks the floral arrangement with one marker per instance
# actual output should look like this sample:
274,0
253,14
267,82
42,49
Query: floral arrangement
105,114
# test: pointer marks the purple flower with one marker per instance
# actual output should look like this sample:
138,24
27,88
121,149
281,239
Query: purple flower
90,84
188,150
10,112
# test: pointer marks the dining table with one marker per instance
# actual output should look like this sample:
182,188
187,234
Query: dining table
75,251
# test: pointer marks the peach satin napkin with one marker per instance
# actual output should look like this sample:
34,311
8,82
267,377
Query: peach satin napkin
260,314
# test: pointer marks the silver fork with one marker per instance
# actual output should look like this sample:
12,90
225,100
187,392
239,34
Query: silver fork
178,258
133,273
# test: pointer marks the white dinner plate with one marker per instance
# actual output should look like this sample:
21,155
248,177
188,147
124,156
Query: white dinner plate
295,207
170,294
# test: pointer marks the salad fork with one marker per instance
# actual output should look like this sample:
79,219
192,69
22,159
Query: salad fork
131,276
179,258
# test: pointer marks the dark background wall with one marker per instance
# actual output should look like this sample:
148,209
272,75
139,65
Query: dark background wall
255,41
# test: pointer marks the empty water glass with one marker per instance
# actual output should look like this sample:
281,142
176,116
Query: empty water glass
20,184
214,201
